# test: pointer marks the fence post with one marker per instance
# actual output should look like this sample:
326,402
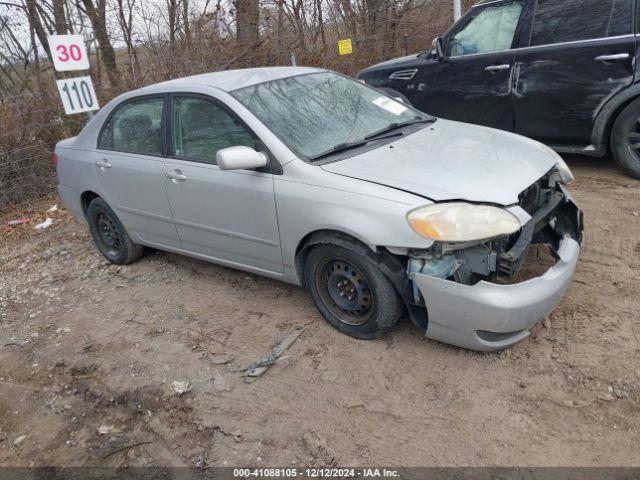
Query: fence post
294,63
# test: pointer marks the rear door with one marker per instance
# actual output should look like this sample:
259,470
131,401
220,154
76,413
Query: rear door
472,83
228,216
129,162
580,54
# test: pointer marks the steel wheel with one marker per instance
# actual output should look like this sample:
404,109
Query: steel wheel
345,291
107,232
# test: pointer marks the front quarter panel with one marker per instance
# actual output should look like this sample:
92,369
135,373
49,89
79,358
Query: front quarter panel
310,199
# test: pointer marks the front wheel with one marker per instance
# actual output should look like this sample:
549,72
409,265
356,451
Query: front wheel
351,292
625,139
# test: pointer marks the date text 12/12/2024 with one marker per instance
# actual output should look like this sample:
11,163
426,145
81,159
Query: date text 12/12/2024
315,473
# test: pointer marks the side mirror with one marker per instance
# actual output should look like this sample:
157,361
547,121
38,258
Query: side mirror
437,48
240,158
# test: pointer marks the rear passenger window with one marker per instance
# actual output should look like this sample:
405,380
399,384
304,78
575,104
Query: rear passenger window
559,21
135,127
201,128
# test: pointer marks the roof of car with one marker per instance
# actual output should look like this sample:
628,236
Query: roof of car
229,80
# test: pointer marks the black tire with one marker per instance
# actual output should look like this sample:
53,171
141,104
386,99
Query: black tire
625,139
376,307
397,95
109,234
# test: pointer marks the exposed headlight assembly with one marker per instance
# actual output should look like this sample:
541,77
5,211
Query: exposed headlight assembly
565,172
462,222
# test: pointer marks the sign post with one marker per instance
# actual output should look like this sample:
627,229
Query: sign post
69,54
457,10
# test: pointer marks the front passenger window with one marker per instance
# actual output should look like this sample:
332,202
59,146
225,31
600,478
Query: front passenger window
491,30
135,127
201,128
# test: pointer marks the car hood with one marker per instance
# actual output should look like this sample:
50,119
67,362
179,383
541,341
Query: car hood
403,61
453,161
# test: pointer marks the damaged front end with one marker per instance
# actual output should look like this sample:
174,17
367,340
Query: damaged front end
470,290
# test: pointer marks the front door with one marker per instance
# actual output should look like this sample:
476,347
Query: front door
472,83
129,165
228,216
581,53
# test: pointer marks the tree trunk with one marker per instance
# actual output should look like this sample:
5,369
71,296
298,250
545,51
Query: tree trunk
280,29
185,21
97,16
247,18
36,23
60,17
323,35
172,6
374,31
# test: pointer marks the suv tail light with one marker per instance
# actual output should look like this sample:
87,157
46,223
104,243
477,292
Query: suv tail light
55,159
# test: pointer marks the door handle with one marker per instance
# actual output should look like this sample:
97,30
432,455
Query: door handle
612,58
497,68
176,176
103,164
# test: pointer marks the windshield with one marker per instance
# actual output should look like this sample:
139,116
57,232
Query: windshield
315,113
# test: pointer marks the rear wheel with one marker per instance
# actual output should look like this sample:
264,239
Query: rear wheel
625,139
109,234
351,292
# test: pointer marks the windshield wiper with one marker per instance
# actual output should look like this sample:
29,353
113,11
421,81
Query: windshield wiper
341,147
397,125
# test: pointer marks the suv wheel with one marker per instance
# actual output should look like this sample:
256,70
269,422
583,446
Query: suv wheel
351,292
625,139
109,234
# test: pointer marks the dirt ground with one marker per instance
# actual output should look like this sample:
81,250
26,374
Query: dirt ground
89,352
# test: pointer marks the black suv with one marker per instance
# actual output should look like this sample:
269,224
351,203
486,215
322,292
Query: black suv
560,71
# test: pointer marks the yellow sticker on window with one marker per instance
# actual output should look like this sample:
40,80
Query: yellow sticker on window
345,47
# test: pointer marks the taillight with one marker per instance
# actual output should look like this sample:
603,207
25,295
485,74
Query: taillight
55,159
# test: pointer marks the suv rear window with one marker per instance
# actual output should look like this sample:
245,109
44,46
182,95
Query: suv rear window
559,21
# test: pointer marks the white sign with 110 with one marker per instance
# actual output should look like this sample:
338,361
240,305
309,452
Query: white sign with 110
77,95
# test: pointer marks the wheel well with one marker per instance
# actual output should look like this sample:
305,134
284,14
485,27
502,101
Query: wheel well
324,236
614,116
392,266
86,198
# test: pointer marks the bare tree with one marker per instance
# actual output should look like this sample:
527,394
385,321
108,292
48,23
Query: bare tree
60,17
97,15
35,22
247,18
125,19
172,11
186,28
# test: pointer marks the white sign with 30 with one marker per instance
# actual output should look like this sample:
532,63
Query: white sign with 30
68,53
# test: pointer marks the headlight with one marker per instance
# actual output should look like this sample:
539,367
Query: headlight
462,222
565,172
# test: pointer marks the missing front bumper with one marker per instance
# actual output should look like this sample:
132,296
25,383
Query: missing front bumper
503,314
490,316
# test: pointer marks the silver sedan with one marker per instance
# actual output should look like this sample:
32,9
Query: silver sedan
309,177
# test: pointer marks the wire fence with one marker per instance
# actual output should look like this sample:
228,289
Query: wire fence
32,119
